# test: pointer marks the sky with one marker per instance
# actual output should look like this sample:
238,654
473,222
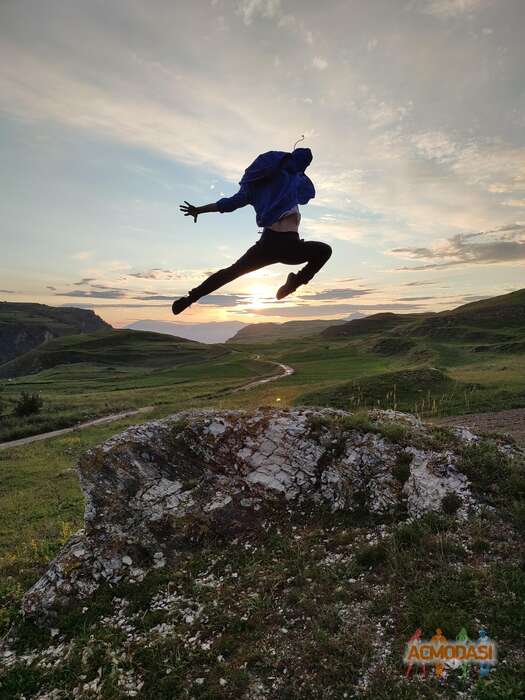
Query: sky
113,114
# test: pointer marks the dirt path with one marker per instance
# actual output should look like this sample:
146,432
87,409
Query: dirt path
63,431
510,421
286,371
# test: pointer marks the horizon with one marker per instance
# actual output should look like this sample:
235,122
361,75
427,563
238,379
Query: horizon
113,116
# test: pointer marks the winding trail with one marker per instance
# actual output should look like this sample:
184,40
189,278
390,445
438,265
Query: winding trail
63,431
286,371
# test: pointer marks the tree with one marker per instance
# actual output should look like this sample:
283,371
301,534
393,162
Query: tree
28,404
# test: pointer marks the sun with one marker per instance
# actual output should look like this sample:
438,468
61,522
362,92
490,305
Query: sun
260,294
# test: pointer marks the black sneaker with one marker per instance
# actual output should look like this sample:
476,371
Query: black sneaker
179,305
288,287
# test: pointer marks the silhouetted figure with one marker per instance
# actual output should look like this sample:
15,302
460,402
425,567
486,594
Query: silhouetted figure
274,184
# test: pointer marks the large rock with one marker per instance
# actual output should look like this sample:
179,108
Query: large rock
157,487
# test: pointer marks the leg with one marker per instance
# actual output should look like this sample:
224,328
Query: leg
317,254
314,253
253,259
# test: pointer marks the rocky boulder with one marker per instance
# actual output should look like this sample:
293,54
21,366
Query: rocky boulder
157,487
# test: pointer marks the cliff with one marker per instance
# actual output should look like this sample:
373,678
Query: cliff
26,326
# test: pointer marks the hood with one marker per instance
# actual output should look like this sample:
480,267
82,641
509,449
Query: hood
302,158
269,163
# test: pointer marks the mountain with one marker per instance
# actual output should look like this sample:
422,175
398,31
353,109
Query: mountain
496,318
269,332
375,323
26,326
506,311
215,332
112,348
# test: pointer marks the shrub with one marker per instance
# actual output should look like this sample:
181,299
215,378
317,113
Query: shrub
450,503
28,404
518,514
372,555
358,421
484,465
410,536
401,469
395,432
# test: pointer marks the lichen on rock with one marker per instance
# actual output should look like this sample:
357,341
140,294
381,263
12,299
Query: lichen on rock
153,488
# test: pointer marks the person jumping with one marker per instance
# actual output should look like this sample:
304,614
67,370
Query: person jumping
274,184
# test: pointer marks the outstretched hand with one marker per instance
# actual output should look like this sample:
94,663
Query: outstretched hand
189,210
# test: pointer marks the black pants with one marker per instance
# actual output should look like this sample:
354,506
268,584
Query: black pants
272,247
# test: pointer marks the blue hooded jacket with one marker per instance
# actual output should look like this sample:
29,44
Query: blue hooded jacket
272,184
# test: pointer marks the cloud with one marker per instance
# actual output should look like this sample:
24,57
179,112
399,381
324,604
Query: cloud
419,283
435,145
51,288
210,299
505,244
224,299
7,291
272,11
94,294
329,294
118,305
251,9
154,274
381,113
445,9
340,227
101,307
159,274
83,281
474,297
82,255
316,310
319,63
514,202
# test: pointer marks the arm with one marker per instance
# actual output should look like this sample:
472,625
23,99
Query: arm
236,201
190,210
226,204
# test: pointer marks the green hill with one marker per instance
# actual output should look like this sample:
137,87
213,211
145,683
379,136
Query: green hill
371,324
478,320
112,348
270,332
26,326
508,307
497,319
406,390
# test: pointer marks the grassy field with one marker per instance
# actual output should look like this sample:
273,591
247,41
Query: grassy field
432,379
134,370
426,373
466,360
